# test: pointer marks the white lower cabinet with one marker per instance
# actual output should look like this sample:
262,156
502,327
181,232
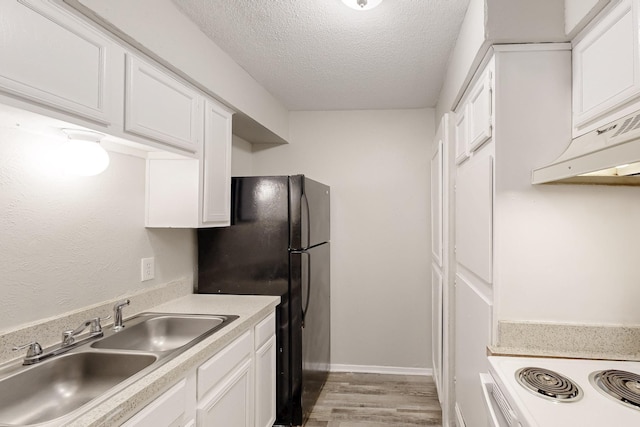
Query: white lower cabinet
225,386
235,387
265,373
167,410
229,404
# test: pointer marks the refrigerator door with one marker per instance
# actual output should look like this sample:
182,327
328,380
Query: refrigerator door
309,216
312,308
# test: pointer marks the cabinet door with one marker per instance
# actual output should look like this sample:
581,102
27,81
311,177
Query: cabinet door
216,208
52,58
479,112
473,335
171,193
437,325
160,107
461,135
230,403
166,411
265,393
474,214
436,203
606,69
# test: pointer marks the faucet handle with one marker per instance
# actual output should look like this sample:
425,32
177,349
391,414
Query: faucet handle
34,349
96,327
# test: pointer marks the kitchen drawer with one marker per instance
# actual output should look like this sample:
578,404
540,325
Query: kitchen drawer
215,369
167,410
265,330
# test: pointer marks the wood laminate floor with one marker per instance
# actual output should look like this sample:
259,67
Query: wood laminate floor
370,400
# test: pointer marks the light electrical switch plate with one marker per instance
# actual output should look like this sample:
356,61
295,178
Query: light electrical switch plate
148,269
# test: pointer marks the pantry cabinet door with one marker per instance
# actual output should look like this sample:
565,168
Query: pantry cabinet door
160,107
436,204
606,66
52,58
437,304
474,214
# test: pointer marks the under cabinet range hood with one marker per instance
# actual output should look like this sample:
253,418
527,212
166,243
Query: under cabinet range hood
609,155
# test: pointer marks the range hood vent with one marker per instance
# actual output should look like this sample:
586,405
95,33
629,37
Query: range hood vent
609,155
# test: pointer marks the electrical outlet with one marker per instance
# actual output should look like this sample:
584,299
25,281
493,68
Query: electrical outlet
148,269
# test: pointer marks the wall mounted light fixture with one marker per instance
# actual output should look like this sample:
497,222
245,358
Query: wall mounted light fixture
82,153
362,4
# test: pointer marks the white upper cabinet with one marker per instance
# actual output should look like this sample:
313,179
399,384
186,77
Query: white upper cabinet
461,134
50,57
194,193
160,107
474,117
606,72
479,112
216,206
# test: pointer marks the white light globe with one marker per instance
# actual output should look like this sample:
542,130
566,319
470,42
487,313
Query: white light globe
83,155
360,5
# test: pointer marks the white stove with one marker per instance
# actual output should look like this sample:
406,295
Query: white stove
581,401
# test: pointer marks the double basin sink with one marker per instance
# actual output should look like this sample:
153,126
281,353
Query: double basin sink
57,387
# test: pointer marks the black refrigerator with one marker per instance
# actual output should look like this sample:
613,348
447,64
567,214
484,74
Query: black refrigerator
278,244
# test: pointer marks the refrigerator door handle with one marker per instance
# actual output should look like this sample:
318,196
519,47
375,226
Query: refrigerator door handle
306,204
305,306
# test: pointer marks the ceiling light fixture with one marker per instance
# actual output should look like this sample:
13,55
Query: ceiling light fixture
82,153
362,4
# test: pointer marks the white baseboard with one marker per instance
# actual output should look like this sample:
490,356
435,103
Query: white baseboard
392,370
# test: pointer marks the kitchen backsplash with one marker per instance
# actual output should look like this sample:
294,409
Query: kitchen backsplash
568,340
48,331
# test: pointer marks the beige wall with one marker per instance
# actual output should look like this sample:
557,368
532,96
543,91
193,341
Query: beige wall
377,164
241,157
69,242
579,12
464,57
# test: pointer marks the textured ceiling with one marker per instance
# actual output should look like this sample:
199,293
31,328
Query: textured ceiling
322,55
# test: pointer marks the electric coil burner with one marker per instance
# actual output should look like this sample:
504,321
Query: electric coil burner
548,384
511,403
622,386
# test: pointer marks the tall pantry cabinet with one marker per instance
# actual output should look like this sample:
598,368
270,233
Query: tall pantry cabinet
441,256
515,114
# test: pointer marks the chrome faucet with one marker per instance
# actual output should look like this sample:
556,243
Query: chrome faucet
68,337
117,314
35,353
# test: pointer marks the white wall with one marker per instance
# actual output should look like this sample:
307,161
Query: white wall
565,253
377,164
490,22
464,56
69,242
578,12
241,157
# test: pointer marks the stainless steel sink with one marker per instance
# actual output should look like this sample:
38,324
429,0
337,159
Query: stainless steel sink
155,332
58,386
52,389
